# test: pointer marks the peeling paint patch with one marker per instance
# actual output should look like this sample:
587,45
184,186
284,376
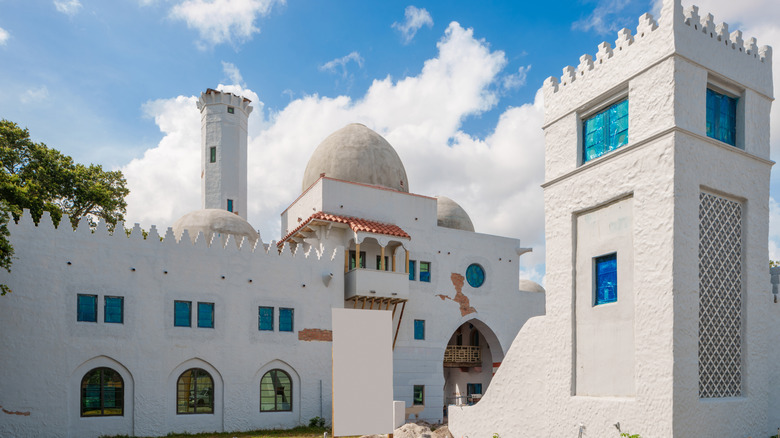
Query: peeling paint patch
315,335
460,297
23,414
443,297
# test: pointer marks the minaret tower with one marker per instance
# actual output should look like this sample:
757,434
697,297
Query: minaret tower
223,124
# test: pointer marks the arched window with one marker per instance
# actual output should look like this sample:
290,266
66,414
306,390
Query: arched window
102,393
275,392
195,392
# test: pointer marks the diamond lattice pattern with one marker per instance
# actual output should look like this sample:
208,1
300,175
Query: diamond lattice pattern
720,297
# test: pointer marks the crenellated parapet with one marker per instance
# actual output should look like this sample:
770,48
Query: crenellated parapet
148,242
720,33
212,96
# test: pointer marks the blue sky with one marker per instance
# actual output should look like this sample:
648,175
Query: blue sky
451,84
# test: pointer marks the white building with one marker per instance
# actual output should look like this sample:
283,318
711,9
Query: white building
211,329
659,315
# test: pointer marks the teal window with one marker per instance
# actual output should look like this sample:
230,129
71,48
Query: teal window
102,393
231,110
182,314
606,279
475,275
419,329
86,308
285,319
114,310
419,395
230,205
213,154
425,272
275,392
206,315
265,319
353,262
605,131
195,392
412,273
721,117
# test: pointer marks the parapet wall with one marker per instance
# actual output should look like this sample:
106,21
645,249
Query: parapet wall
211,97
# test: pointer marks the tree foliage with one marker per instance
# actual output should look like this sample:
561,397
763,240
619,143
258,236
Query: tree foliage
39,178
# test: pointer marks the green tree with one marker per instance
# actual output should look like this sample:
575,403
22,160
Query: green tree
38,178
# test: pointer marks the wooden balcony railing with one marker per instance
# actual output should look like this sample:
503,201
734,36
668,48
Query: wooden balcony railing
462,356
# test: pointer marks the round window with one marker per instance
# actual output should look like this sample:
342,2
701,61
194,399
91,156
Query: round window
475,275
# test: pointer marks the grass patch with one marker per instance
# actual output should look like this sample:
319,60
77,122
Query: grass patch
297,432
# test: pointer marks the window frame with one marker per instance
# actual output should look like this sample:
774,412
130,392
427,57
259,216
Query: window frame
230,205
419,323
292,319
260,319
231,110
736,96
471,271
213,154
79,315
427,277
414,395
198,373
412,270
121,309
276,389
101,397
205,304
602,107
379,262
353,262
189,313
597,301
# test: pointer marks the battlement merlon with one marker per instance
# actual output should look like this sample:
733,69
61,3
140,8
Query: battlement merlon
678,31
212,97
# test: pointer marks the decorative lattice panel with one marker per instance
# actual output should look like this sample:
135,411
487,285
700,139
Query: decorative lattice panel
720,297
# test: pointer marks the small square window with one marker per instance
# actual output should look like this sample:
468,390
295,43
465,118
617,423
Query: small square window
606,279
419,395
265,319
230,205
87,308
213,154
285,319
231,110
206,315
412,273
721,117
182,314
605,131
114,310
419,329
425,272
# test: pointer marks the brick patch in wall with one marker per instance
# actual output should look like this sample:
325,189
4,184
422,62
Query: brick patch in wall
315,335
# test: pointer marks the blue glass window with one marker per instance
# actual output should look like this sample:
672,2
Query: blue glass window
605,131
265,319
102,393
206,315
425,272
606,279
114,310
87,308
230,205
475,275
471,389
285,320
182,314
419,329
721,117
412,264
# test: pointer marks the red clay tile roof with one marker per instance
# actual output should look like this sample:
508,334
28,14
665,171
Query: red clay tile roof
356,224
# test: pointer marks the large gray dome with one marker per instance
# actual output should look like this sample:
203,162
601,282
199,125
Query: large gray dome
212,221
530,286
451,215
357,154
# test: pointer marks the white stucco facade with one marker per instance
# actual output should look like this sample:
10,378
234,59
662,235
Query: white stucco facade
47,352
642,361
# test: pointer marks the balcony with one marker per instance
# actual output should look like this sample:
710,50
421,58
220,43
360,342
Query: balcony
462,356
375,283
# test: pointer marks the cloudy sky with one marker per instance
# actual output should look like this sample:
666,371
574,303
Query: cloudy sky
452,85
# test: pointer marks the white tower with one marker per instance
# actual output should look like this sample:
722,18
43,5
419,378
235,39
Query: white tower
223,124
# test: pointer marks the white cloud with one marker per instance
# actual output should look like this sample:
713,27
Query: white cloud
517,80
222,21
34,95
604,19
233,73
414,19
4,36
340,64
67,7
496,178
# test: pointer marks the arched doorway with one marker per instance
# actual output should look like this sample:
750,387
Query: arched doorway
468,363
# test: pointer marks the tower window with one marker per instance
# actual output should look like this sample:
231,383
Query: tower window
605,131
182,314
231,110
213,154
606,278
265,319
412,274
87,308
425,272
419,329
285,319
721,117
206,315
114,310
419,395
230,205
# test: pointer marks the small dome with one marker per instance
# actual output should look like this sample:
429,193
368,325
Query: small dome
357,154
451,215
531,286
212,221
